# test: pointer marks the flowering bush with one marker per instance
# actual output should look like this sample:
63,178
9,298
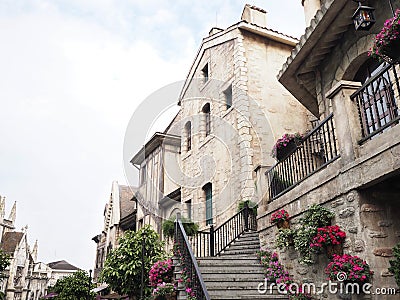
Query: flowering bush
389,33
284,238
284,141
280,215
185,278
356,269
161,272
328,235
164,289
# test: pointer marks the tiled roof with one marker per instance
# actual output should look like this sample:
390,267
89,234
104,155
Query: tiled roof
10,241
127,206
62,265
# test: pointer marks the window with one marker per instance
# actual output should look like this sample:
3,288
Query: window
208,193
189,209
228,97
188,133
204,73
143,174
207,115
376,100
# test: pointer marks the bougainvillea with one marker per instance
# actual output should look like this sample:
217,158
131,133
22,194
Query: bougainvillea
161,271
284,141
389,33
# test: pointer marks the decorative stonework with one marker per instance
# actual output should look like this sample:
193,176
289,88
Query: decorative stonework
377,234
347,212
385,252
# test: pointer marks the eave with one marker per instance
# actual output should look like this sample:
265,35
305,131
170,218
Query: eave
298,74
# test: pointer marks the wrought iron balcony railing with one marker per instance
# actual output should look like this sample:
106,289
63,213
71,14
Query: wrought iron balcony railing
377,102
316,150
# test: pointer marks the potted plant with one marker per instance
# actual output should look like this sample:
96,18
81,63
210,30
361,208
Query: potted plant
284,238
330,238
348,268
168,227
387,41
285,145
280,218
317,216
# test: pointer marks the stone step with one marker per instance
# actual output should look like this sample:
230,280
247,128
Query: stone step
231,269
244,246
239,252
235,292
218,261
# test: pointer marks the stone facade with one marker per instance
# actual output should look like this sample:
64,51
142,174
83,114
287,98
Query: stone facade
361,186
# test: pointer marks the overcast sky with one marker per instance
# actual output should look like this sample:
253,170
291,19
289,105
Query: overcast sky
72,73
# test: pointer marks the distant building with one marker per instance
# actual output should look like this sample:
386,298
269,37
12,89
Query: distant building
119,216
58,270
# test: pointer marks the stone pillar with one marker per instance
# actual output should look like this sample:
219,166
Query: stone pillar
310,9
347,124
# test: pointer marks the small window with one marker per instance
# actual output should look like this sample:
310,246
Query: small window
204,73
207,116
143,174
188,133
208,194
228,97
189,209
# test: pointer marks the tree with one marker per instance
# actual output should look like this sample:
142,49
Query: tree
4,262
123,267
73,287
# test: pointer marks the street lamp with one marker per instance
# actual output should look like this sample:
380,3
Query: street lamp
90,284
363,17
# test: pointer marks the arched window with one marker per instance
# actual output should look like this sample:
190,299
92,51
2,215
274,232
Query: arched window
188,134
207,115
208,195
376,99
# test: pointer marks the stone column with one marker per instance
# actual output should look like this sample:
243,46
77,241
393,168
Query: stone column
347,124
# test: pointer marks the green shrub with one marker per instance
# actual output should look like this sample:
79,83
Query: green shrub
284,238
168,227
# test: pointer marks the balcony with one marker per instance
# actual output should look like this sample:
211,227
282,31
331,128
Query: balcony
377,103
317,149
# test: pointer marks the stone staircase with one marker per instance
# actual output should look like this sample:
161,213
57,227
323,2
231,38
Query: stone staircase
237,272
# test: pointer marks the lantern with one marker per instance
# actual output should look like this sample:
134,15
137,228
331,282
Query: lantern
363,17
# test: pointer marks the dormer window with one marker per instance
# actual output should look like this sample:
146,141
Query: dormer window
204,73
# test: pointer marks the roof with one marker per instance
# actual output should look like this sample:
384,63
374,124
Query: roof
10,241
325,30
62,265
156,140
242,25
126,205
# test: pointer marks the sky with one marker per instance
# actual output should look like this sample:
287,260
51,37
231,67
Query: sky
72,73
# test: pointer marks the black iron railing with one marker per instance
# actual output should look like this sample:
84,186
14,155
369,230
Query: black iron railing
316,150
189,263
376,102
216,240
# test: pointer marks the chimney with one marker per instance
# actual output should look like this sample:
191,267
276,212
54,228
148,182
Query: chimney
310,9
254,15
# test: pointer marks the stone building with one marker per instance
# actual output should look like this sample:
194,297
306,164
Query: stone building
353,165
232,108
119,216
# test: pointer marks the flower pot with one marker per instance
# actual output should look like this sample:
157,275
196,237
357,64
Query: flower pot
284,152
284,224
334,249
392,50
